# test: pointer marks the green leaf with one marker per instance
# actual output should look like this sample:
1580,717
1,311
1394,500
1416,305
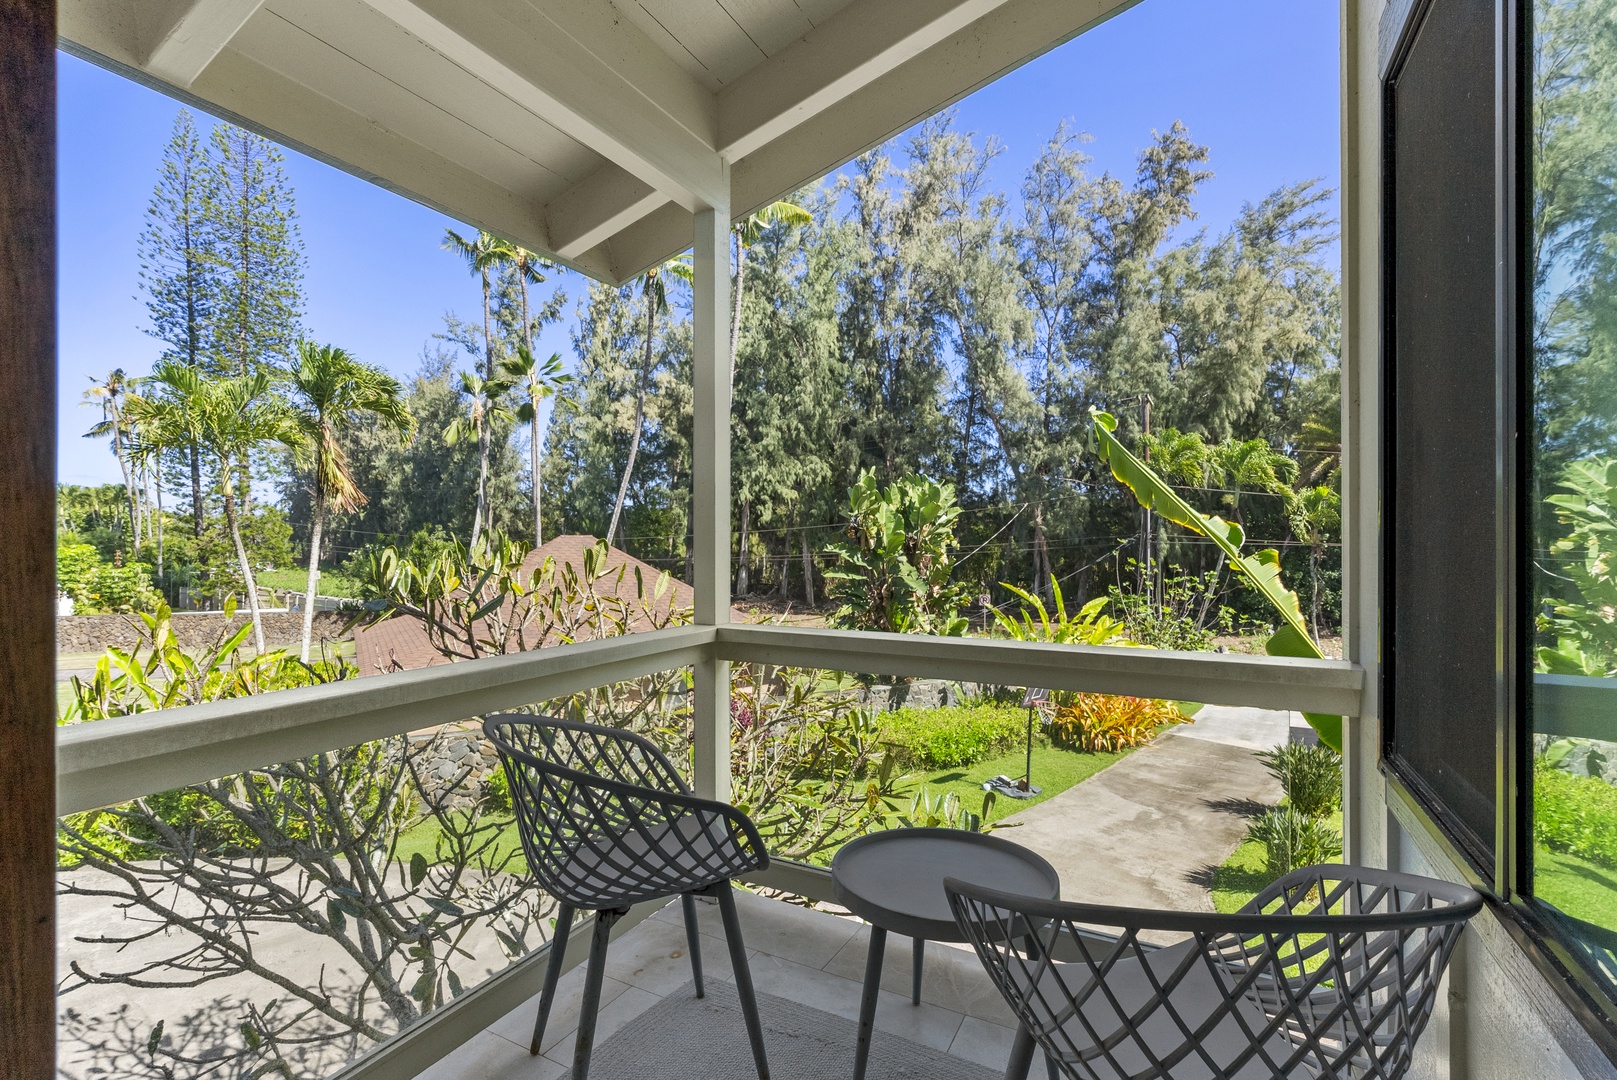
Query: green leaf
418,869
1261,570
154,1038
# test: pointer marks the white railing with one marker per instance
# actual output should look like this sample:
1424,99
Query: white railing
115,760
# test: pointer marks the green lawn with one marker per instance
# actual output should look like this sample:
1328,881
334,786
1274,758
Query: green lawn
1578,887
1054,770
331,582
424,837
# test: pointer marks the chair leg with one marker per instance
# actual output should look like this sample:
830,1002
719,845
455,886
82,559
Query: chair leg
743,977
693,940
558,952
1022,1049
593,973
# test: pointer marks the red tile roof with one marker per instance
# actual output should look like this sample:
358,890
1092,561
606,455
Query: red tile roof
400,643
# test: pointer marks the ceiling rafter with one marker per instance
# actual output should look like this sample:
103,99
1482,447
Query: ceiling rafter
857,46
532,59
195,35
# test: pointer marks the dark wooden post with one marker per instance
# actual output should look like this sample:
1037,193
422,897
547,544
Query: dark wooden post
27,539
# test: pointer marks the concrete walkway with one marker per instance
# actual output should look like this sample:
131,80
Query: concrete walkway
1149,830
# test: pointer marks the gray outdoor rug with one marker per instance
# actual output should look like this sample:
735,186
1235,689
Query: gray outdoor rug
682,1038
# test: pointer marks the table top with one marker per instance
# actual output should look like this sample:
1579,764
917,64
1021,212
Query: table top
894,879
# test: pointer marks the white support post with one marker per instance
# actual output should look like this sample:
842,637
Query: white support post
710,264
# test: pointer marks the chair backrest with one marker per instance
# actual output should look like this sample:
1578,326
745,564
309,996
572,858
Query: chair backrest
1332,971
577,790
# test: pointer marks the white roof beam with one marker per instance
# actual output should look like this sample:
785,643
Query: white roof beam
1009,36
857,46
590,97
598,207
194,36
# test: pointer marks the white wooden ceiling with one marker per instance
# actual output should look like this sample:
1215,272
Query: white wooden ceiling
590,130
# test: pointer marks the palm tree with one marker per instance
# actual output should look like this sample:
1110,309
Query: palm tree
538,381
170,420
226,418
487,405
655,293
529,268
482,255
110,394
748,231
330,389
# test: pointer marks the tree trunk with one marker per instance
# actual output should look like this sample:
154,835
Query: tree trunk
808,568
483,440
1041,557
234,525
317,523
785,563
533,460
742,584
639,413
735,310
482,476
159,488
196,491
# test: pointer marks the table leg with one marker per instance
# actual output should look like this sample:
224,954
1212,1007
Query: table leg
920,956
1021,1054
867,1003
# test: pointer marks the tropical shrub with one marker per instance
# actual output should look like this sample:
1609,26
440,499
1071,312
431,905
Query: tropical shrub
1186,614
1311,777
1575,814
157,674
894,572
1294,839
1585,629
1106,723
953,735
75,564
1034,622
809,765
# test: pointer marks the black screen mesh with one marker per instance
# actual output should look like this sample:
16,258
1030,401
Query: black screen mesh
1441,655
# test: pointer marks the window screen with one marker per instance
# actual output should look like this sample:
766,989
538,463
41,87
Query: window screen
1440,651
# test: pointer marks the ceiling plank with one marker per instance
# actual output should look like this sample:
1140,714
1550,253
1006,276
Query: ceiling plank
194,37
531,59
1014,33
857,46
597,208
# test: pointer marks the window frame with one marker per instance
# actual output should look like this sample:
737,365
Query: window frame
1504,874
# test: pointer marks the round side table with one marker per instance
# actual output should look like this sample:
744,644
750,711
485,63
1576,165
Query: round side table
894,881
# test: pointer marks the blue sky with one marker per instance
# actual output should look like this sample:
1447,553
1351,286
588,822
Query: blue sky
1255,80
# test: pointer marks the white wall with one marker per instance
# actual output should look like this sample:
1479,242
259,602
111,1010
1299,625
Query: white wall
1500,1019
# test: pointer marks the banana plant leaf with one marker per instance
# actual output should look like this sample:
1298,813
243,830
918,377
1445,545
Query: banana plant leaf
1261,569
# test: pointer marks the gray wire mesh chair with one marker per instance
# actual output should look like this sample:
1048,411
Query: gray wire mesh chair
1329,972
605,823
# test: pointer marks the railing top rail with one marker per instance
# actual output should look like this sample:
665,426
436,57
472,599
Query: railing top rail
110,761
1273,682
114,760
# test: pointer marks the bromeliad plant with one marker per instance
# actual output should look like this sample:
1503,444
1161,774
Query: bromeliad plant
1107,723
894,573
1260,570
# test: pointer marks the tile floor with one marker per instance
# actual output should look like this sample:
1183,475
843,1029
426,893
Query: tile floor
794,953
